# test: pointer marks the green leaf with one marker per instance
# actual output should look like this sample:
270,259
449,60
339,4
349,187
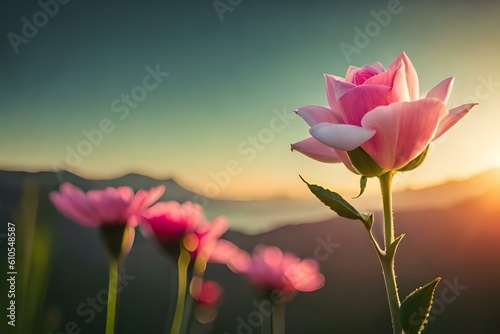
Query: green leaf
336,203
416,307
362,185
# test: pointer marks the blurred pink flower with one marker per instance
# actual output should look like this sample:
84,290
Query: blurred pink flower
207,236
379,111
270,269
109,206
207,292
172,223
207,295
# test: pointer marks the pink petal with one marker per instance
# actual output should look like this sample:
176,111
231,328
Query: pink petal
407,78
209,237
228,253
144,199
332,84
358,76
350,72
126,193
385,78
355,103
410,75
155,194
72,202
69,210
452,118
411,78
399,91
206,293
442,90
266,269
305,276
108,205
344,157
315,150
168,221
271,256
343,137
78,199
170,208
218,227
378,66
316,114
403,130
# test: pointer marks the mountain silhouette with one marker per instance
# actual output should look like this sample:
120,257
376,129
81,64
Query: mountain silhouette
457,240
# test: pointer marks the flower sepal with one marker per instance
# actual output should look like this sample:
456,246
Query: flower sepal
415,162
364,164
117,239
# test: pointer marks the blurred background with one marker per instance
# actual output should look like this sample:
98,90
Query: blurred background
199,96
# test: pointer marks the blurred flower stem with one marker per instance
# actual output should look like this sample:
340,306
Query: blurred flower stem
278,319
112,294
387,257
183,264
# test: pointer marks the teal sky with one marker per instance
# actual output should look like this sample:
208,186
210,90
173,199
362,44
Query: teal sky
215,114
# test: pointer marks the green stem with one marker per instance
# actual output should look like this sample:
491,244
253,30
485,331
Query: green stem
112,294
387,259
278,319
392,292
183,263
188,310
385,186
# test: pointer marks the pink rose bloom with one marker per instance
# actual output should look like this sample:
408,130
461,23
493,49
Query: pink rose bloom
379,111
109,206
270,269
172,223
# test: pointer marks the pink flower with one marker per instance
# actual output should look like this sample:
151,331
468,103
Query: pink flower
207,295
206,237
380,112
104,207
172,223
113,210
270,269
206,292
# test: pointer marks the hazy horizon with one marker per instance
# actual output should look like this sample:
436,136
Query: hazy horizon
258,215
399,184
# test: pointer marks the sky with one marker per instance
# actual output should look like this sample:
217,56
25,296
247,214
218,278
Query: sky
204,91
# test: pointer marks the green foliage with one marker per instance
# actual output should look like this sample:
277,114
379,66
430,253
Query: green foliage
339,205
32,260
362,185
416,307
